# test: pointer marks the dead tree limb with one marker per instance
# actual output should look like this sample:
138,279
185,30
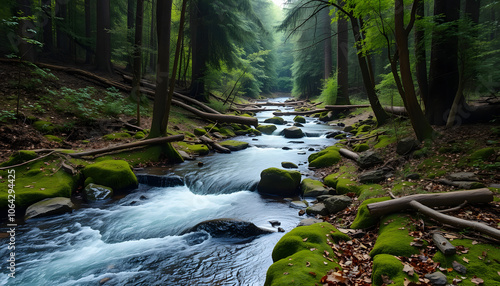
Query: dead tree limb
461,223
214,144
396,110
431,200
349,154
129,145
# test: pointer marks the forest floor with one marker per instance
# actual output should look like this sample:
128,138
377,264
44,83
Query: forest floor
444,155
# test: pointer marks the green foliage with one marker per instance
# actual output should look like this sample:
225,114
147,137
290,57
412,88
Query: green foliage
329,91
7,115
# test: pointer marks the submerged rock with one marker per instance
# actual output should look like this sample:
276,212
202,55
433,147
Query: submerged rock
229,228
47,207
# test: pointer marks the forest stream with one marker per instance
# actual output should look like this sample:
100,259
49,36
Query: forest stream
141,239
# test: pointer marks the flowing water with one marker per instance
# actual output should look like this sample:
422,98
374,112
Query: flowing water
141,239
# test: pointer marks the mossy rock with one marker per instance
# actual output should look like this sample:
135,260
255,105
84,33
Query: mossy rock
482,154
211,128
234,145
200,132
275,120
312,188
390,266
326,158
370,191
153,153
267,129
293,259
299,119
189,134
361,148
53,138
331,180
36,181
289,165
278,182
345,186
394,238
117,136
486,268
115,174
139,135
198,149
43,126
227,131
364,219
340,136
20,157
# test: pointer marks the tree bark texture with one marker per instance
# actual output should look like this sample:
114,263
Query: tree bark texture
137,57
103,43
88,30
421,56
342,61
327,43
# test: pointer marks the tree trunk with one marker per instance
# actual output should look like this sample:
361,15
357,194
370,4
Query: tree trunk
152,40
342,61
472,8
421,57
421,126
103,44
48,39
443,73
431,200
61,36
131,18
327,44
163,18
379,112
199,52
137,58
88,30
26,50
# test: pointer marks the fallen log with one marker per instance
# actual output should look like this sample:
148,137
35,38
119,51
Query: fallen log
396,110
443,244
336,107
431,200
279,113
218,117
460,223
286,103
214,144
129,145
349,154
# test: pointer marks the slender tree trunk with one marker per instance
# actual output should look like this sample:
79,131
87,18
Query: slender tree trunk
152,40
421,126
327,44
342,61
48,39
131,18
62,21
379,112
88,30
199,52
103,44
137,58
26,50
421,57
160,115
443,73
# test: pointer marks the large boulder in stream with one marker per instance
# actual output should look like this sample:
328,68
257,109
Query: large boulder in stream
278,182
275,120
116,174
48,207
230,228
234,145
293,132
267,129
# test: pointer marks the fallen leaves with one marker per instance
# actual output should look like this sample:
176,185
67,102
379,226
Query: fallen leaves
408,270
476,280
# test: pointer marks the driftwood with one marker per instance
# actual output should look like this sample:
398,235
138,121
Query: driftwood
218,117
446,219
129,145
431,200
349,154
396,110
214,144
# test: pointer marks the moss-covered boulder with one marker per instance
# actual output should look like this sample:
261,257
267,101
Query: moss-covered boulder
299,254
299,119
199,132
227,131
211,128
313,188
289,165
394,238
194,149
345,186
43,126
115,174
328,157
275,120
234,145
139,135
267,129
361,148
278,182
390,266
482,154
48,207
482,262
364,219
117,136
293,132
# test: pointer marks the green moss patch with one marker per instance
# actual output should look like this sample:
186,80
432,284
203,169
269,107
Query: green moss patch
300,253
325,158
153,153
234,145
37,181
370,191
345,186
139,135
384,141
53,138
43,126
364,219
20,157
388,265
195,149
227,131
483,266
312,188
115,174
361,148
117,136
200,132
482,154
394,238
